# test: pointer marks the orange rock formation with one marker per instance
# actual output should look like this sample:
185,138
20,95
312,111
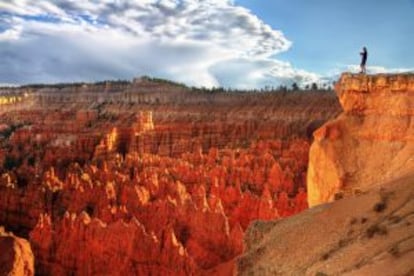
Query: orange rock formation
370,231
370,143
16,257
151,178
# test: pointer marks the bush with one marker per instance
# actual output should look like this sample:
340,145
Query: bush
10,162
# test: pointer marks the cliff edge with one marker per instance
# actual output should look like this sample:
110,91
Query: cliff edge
370,143
365,157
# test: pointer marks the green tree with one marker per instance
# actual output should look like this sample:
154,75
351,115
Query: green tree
10,163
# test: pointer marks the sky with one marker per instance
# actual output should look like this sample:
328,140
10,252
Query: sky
229,43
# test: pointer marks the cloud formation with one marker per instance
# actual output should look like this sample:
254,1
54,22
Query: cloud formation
334,74
198,42
378,69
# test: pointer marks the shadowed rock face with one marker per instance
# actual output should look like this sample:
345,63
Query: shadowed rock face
371,142
16,257
146,178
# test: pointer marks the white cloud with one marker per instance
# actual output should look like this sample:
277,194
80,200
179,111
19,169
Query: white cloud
11,34
260,72
334,74
378,69
198,42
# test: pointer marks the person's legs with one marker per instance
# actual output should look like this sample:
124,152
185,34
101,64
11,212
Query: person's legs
363,69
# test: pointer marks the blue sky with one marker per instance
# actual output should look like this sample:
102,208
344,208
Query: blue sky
240,43
328,34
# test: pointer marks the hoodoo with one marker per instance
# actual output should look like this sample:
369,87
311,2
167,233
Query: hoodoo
150,177
16,256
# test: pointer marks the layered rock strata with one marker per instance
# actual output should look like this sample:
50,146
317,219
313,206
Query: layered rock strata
150,178
370,143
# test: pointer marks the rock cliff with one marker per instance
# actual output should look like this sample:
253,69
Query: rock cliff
364,160
370,143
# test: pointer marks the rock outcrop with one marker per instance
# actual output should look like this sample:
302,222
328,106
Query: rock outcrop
16,257
369,231
370,143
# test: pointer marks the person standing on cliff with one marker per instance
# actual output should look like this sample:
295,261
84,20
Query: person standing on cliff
364,56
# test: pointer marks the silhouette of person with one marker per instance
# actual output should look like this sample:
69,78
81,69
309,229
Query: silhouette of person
364,56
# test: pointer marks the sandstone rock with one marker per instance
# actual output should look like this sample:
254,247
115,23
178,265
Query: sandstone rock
369,234
16,257
85,246
370,143
99,174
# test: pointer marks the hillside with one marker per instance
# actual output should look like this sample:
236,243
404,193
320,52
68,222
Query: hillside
368,234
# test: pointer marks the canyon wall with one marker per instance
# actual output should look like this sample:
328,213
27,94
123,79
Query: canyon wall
149,177
370,143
